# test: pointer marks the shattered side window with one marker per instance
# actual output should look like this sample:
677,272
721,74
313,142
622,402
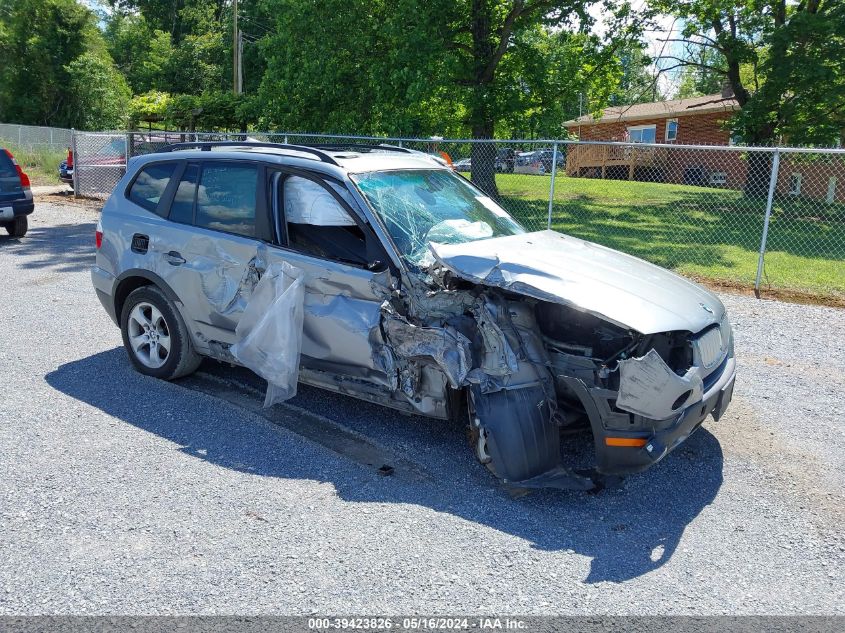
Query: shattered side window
307,202
419,206
317,224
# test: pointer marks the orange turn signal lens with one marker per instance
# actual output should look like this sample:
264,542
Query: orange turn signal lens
634,442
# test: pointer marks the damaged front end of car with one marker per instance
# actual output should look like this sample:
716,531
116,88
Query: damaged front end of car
535,364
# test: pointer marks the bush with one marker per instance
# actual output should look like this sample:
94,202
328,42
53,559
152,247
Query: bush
150,106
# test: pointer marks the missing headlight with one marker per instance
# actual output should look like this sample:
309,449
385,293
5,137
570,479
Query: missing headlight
580,333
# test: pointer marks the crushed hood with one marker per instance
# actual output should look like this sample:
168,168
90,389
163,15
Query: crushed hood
562,269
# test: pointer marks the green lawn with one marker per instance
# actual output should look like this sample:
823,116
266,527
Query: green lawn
702,232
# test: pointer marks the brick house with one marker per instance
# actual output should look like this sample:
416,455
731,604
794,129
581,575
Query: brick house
693,121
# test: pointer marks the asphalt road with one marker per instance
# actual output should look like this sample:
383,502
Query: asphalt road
123,494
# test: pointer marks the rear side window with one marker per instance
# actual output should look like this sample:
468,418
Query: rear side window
7,168
226,198
149,185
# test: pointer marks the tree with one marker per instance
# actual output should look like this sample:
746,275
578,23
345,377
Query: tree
141,52
155,59
479,37
175,17
149,107
705,76
56,68
783,61
39,38
548,75
637,81
441,67
98,93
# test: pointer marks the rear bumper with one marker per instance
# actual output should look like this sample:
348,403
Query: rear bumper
103,282
24,207
624,460
20,206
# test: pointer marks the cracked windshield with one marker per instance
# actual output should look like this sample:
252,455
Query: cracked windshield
432,205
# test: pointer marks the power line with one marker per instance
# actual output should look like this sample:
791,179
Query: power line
258,25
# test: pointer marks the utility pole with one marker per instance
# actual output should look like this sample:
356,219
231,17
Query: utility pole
580,109
236,47
240,62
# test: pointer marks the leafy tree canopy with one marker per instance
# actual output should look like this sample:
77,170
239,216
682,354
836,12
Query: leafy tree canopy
782,59
56,69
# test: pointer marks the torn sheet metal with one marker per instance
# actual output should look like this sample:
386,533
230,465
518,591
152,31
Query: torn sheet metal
226,283
649,387
269,332
499,358
562,269
228,294
340,328
306,202
447,347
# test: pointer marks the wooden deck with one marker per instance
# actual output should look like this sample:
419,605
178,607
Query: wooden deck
583,158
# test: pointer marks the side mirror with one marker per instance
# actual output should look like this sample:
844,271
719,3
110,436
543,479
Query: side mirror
377,266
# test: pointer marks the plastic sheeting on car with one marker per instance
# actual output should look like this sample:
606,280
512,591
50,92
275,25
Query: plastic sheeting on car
307,202
270,331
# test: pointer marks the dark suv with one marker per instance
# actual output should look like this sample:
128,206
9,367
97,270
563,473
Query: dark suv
15,195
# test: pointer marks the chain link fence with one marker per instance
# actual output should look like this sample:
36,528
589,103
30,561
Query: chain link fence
38,150
773,218
99,162
33,136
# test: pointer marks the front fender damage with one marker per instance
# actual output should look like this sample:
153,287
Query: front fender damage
489,344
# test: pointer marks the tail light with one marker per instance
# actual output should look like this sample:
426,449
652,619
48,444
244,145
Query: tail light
21,175
69,158
98,235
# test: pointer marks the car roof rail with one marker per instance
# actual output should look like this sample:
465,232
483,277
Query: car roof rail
364,146
206,146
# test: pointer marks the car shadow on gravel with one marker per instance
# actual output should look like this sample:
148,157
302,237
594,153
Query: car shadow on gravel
626,532
63,247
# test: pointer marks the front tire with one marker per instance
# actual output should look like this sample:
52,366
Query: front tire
511,433
155,336
17,227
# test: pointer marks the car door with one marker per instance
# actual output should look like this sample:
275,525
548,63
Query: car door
214,248
346,275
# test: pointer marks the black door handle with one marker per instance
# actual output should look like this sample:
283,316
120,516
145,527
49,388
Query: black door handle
174,258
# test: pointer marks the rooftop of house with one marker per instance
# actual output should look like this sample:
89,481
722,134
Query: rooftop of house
660,109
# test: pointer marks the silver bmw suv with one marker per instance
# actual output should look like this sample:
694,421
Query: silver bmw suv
416,291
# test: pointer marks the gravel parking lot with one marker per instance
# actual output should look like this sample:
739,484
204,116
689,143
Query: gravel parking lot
123,494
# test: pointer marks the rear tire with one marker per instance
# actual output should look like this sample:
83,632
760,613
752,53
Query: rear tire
17,227
156,338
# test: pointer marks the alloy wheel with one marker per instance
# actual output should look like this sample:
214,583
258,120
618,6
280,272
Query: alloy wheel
149,335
